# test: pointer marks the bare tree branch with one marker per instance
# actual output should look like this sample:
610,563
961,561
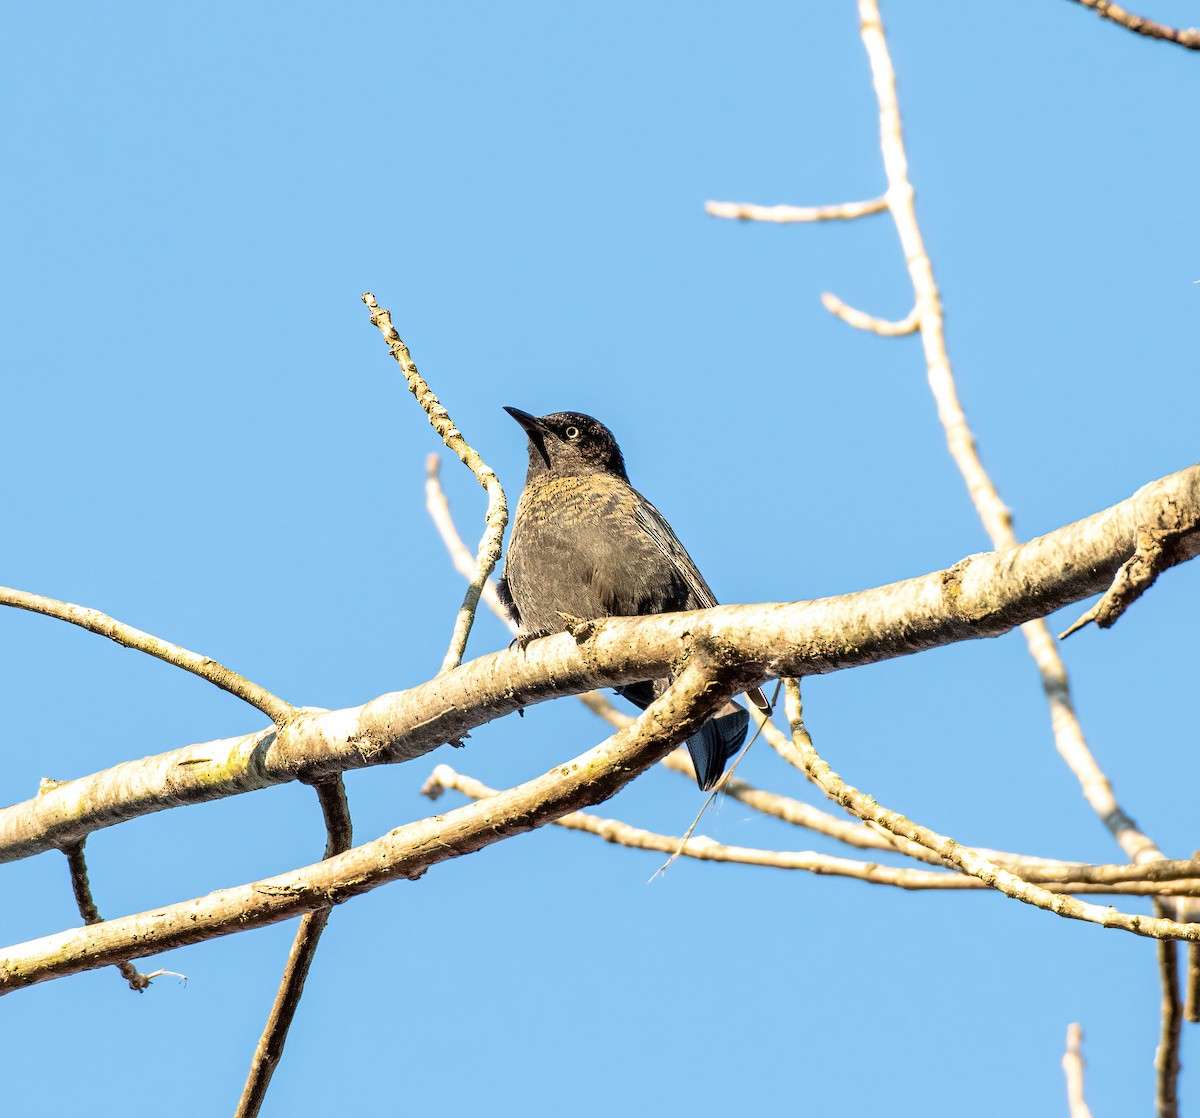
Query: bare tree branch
339,835
1072,1063
1166,1058
981,596
406,852
497,506
203,666
1188,37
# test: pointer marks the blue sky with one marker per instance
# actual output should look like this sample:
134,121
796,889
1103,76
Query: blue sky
204,437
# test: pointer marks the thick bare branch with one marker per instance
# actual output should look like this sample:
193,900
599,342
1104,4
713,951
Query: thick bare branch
497,506
203,666
1188,37
981,596
406,852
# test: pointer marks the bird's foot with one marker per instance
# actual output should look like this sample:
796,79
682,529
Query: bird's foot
522,639
580,628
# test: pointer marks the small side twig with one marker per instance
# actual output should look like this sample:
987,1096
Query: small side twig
1072,1063
86,903
1188,37
339,837
860,320
496,517
203,666
1155,553
786,215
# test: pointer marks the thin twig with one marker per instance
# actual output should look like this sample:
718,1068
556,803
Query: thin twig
1192,1005
860,320
785,215
464,562
1191,1010
86,903
964,858
203,666
1188,37
497,507
1072,1063
1166,1057
339,837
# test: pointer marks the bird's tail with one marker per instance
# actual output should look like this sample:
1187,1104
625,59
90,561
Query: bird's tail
716,741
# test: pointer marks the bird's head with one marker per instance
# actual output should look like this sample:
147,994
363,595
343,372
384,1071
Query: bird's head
567,444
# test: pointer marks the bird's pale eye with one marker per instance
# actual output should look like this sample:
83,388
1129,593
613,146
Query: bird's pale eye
572,432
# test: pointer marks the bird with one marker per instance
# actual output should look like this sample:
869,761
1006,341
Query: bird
585,545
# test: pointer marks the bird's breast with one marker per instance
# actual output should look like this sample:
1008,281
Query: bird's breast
578,550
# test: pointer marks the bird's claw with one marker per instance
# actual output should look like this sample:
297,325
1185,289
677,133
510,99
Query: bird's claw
522,640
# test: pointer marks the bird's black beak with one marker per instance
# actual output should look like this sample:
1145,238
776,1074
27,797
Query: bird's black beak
534,428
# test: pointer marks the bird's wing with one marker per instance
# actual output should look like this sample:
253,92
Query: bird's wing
668,543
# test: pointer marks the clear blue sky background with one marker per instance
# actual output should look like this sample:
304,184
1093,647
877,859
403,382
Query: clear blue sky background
204,437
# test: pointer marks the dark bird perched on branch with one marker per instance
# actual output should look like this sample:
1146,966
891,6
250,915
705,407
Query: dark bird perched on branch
585,544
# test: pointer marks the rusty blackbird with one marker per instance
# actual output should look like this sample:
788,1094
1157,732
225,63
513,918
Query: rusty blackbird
585,544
